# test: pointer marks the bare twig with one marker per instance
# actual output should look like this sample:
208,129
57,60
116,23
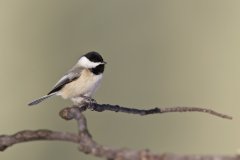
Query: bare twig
117,108
43,134
89,146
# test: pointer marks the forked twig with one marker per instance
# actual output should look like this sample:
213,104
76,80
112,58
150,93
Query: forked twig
89,146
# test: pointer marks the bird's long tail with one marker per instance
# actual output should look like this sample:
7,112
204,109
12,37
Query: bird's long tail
41,99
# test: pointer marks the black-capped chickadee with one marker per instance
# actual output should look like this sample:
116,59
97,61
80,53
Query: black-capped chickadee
80,82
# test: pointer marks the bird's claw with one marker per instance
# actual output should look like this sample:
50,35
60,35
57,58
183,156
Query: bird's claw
90,101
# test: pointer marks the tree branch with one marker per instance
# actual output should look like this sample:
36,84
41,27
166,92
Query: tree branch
28,135
108,107
89,146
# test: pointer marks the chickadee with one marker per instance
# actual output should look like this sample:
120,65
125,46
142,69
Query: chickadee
80,82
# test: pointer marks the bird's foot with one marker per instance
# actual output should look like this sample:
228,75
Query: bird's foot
90,101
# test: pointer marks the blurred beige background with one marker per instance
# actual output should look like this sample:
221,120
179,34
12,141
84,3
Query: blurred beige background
159,53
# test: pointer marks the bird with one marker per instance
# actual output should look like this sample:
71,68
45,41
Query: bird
80,82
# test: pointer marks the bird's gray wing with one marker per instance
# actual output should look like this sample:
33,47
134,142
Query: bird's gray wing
71,75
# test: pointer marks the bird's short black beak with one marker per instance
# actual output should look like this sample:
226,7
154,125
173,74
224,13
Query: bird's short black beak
104,62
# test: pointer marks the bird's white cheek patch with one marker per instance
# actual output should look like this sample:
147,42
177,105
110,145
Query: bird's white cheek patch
84,62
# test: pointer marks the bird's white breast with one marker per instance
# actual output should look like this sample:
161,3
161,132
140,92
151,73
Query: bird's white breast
85,85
